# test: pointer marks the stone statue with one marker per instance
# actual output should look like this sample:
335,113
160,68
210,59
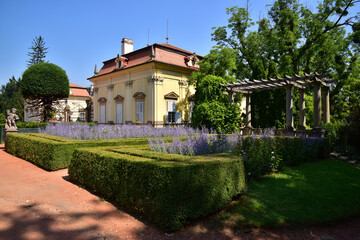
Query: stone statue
10,119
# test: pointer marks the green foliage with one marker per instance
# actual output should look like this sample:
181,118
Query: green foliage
314,192
265,155
2,118
45,80
216,115
294,40
166,189
333,133
260,156
38,52
11,97
212,108
343,137
44,83
51,152
31,124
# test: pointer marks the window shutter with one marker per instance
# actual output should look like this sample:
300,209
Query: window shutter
178,117
171,106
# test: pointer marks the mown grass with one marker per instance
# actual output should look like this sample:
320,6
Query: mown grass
314,192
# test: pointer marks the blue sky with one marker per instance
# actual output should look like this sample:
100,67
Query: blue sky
80,34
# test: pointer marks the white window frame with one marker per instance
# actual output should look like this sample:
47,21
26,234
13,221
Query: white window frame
102,113
139,114
172,113
82,116
119,117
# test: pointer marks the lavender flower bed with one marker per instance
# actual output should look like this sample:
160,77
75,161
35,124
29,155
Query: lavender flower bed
261,153
85,132
203,143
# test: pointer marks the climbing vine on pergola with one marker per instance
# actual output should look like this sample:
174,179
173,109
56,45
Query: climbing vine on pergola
319,82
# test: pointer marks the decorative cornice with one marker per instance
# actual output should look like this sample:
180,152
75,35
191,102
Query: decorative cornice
139,95
156,79
183,83
171,95
119,98
129,83
102,100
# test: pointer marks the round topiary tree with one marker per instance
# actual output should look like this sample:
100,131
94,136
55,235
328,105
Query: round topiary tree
44,84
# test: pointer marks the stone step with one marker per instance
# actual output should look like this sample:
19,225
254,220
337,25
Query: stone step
351,161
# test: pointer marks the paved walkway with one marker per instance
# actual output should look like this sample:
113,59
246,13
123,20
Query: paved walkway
38,205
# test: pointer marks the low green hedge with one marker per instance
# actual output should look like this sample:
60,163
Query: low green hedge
31,124
167,189
265,155
52,152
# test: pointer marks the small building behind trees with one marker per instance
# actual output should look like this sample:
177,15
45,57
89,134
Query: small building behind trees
76,107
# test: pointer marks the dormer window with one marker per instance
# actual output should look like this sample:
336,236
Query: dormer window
120,62
192,61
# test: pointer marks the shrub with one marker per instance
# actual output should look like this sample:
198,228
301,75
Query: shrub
265,155
31,124
344,137
260,155
334,133
167,189
51,152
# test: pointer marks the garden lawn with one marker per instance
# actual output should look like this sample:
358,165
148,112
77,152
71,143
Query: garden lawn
313,192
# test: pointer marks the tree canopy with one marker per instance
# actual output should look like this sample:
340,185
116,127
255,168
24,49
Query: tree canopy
11,97
44,84
38,51
294,40
212,108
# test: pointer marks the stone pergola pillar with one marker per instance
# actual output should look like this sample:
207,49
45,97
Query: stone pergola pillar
248,111
317,106
326,104
289,109
302,116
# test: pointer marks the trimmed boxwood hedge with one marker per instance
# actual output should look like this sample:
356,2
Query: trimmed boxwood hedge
52,152
167,189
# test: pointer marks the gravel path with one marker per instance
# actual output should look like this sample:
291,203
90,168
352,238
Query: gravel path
36,204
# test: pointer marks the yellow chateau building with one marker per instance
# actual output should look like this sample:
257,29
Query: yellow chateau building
145,86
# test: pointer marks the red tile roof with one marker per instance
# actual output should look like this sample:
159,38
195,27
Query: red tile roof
78,91
164,52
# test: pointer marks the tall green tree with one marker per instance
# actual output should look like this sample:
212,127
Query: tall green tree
38,51
11,97
43,84
212,108
292,40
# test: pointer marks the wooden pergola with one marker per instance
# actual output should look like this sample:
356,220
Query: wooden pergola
319,82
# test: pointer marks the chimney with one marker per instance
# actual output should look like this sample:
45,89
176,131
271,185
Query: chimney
126,46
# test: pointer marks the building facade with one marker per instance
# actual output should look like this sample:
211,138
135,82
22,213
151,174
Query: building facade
146,86
75,107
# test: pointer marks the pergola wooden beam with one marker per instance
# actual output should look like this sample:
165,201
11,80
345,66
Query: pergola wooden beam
319,81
